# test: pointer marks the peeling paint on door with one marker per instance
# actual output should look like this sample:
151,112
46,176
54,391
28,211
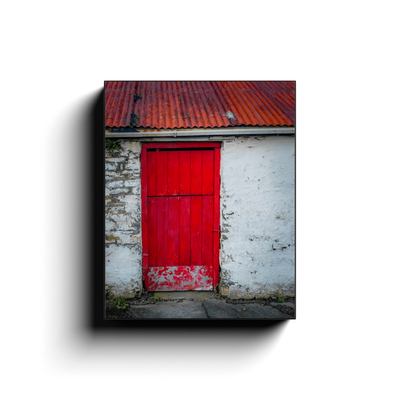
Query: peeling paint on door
179,278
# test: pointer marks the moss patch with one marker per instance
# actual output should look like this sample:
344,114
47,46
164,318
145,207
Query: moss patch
111,237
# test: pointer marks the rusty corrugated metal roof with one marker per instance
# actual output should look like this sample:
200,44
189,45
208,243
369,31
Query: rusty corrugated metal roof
198,104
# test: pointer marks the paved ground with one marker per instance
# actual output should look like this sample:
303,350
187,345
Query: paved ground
201,305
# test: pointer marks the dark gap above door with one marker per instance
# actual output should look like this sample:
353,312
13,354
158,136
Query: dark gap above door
184,195
185,149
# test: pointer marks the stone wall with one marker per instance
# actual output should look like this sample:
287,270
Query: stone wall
123,220
257,218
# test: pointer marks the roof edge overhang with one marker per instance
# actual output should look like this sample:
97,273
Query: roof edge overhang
220,132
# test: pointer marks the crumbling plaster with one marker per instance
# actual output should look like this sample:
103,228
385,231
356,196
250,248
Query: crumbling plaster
123,220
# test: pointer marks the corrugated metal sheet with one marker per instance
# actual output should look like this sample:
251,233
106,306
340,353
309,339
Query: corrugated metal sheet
174,105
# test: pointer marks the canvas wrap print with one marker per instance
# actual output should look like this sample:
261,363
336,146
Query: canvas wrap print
199,200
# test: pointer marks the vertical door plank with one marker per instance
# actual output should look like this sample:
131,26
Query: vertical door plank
195,172
208,172
195,231
151,173
184,231
162,173
173,231
152,228
162,219
207,231
173,173
184,172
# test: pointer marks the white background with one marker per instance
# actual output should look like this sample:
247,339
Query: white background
344,56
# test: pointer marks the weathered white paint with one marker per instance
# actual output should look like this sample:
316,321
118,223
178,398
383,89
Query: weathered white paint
257,217
123,270
123,220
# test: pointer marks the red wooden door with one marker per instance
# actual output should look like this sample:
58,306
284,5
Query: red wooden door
180,215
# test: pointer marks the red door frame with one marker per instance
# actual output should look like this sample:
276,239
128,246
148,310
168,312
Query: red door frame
216,216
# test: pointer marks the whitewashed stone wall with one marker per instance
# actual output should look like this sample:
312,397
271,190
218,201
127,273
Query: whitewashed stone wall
257,217
123,220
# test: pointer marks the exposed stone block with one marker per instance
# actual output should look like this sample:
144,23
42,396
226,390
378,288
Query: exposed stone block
111,167
119,191
115,184
115,160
